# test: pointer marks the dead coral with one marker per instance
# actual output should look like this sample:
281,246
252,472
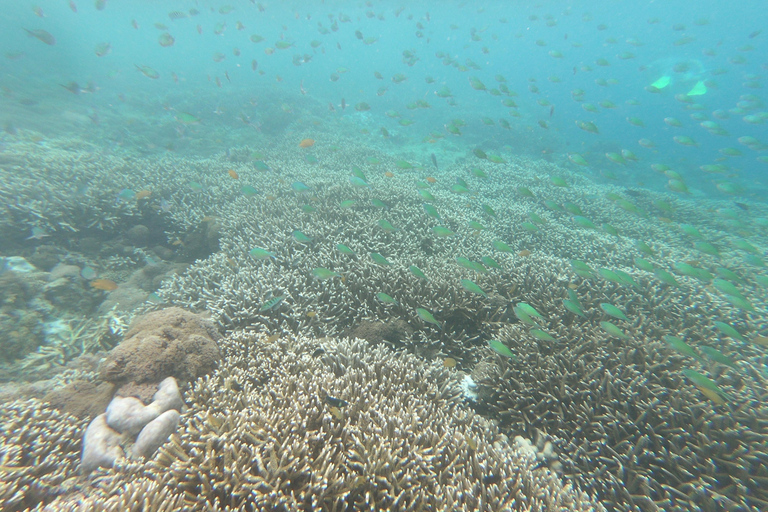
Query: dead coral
169,342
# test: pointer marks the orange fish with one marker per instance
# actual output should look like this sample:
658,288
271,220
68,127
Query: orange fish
233,174
104,284
142,194
524,253
389,174
449,362
307,143
430,179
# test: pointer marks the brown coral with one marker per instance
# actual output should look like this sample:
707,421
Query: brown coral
169,342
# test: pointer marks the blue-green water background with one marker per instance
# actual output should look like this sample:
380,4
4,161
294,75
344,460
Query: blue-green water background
513,39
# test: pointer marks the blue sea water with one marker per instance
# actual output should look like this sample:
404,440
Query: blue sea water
551,48
660,96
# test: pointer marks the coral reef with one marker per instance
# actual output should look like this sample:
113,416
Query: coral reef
39,455
169,342
617,413
285,425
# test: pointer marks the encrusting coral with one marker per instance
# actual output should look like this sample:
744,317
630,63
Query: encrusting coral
299,425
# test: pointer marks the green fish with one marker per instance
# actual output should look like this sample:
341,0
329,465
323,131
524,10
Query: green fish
248,191
644,248
558,181
729,275
609,229
707,386
356,171
707,248
581,268
465,262
552,205
613,330
740,303
718,356
524,317
378,203
427,317
665,277
572,208
308,208
524,191
381,260
490,262
574,308
610,275
476,226
584,222
261,254
417,272
344,249
442,231
472,287
300,237
501,349
644,264
501,246
383,297
530,310
729,331
386,226
488,210
530,227
349,203
681,346
431,211
535,218
271,303
613,311
323,273
541,335
358,182
727,287
425,195
691,231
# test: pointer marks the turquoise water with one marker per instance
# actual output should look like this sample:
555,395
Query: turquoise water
541,198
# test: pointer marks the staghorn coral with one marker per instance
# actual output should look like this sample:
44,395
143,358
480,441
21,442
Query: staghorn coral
627,424
39,454
262,434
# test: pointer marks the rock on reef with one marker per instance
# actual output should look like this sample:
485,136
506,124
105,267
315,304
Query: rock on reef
169,342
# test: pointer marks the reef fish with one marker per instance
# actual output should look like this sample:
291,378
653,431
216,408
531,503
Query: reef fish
706,385
42,35
271,303
427,317
501,349
106,285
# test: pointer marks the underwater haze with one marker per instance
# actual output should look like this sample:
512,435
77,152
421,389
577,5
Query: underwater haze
556,212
